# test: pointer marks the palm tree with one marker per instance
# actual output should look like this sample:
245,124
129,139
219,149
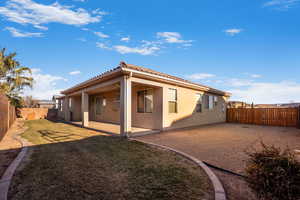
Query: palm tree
13,77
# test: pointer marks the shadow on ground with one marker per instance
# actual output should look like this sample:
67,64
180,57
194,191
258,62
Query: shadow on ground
67,162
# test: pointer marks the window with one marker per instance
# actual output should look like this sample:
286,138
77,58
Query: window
99,103
206,101
211,102
60,105
215,100
145,101
198,102
172,98
70,102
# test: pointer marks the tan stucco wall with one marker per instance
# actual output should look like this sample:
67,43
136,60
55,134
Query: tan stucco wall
76,108
186,115
147,120
111,111
186,105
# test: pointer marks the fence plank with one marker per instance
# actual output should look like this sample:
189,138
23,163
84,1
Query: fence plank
265,116
7,115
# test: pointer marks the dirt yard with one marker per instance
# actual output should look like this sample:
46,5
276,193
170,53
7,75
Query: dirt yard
224,145
9,147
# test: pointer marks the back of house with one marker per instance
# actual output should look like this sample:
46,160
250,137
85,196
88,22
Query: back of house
133,96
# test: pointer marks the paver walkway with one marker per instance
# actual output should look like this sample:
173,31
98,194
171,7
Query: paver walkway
224,145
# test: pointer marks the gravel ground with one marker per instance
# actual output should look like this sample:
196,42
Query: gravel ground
224,145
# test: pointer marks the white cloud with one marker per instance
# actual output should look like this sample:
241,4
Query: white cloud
281,4
102,46
200,76
98,11
252,90
233,31
45,85
17,33
172,37
82,39
147,47
125,39
75,72
264,92
255,75
102,35
36,14
236,82
44,28
143,50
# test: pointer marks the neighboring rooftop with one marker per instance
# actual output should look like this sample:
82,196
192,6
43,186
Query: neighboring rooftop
45,102
123,66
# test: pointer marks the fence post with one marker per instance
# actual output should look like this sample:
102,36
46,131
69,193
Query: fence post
8,114
227,115
298,118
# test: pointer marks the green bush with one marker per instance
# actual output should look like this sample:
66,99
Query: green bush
274,174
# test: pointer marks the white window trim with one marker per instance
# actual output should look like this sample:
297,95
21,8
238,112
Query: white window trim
175,101
199,100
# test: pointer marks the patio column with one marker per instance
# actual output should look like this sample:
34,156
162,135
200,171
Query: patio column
125,106
85,109
67,108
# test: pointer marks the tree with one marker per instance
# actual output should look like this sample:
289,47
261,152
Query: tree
13,77
29,102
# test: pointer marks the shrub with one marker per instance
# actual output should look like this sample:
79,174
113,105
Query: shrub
274,174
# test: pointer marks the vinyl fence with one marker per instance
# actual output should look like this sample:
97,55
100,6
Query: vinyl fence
7,115
265,116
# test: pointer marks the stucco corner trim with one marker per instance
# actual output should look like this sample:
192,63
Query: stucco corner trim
218,187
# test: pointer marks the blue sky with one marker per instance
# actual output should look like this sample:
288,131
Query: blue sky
249,48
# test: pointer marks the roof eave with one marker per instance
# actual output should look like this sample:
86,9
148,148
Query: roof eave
178,82
121,70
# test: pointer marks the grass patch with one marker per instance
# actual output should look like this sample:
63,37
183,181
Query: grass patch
73,163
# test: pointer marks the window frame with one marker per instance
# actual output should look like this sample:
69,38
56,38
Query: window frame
99,106
60,105
69,103
206,101
216,101
199,102
173,101
144,94
210,102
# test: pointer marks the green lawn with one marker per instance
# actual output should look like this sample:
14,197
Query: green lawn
68,162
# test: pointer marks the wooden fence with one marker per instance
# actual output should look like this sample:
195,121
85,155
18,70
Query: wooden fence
7,115
265,116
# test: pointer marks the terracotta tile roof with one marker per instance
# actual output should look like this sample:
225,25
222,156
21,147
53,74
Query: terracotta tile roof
142,69
151,71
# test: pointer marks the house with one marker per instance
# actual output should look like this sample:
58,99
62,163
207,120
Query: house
238,104
45,104
55,99
135,98
279,105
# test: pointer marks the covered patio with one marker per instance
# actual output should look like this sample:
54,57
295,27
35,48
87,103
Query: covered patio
114,129
120,104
